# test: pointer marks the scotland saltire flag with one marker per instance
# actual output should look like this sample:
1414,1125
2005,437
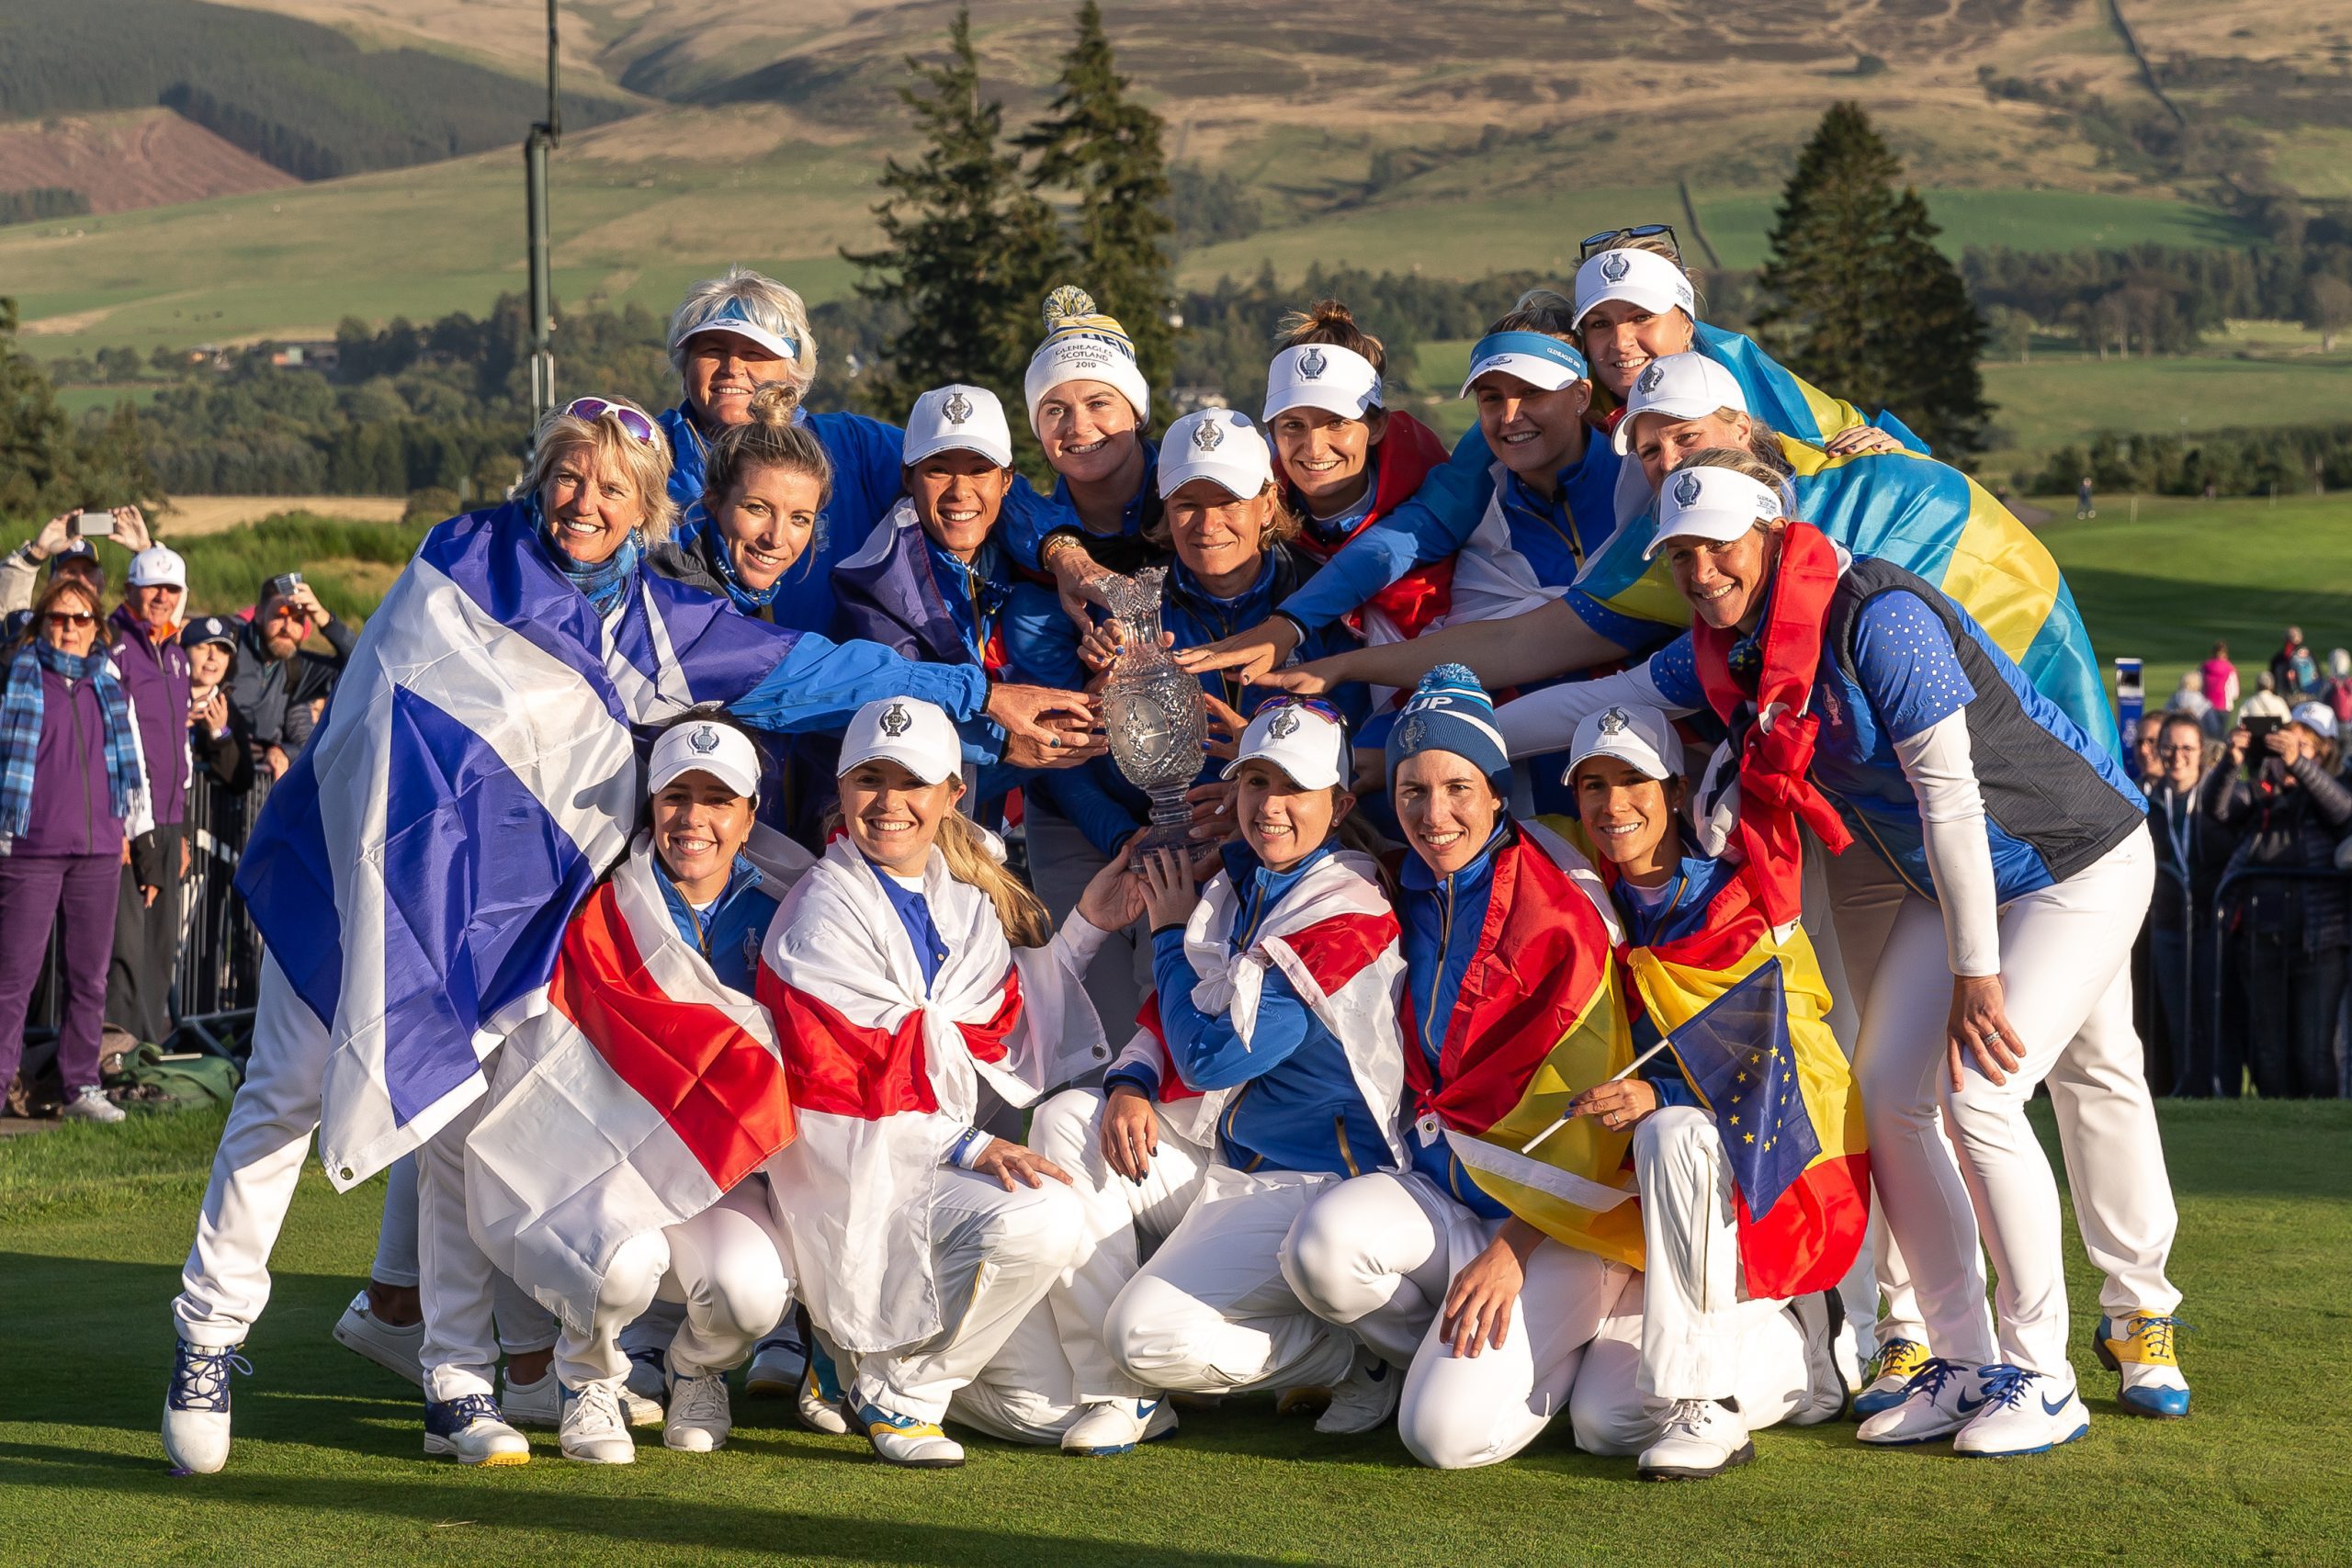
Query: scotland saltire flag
1736,1054
414,871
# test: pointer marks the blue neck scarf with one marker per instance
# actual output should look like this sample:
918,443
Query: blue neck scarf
603,583
20,727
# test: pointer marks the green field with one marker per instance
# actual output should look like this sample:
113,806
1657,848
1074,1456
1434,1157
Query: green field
2055,403
93,1223
349,564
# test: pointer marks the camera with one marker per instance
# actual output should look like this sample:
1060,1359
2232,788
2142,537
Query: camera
93,525
282,586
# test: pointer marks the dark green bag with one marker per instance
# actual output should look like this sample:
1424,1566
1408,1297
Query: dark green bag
182,1081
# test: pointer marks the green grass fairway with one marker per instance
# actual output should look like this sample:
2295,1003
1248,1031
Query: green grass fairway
327,1467
2049,403
2189,571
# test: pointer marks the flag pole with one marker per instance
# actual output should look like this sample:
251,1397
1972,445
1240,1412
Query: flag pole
1627,1071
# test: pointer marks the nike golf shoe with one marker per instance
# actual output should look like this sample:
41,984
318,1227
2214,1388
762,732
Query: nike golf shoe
2142,1352
2022,1413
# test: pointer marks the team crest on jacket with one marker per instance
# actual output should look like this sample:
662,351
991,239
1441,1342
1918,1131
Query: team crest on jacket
1208,435
1283,724
897,720
1614,267
704,740
1686,491
1650,377
958,408
1311,364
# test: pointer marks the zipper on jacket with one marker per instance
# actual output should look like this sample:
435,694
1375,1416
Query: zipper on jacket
1437,985
1347,1155
82,766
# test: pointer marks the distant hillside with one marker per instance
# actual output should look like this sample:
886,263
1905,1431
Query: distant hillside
117,163
305,99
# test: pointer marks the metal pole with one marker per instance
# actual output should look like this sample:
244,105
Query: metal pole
536,147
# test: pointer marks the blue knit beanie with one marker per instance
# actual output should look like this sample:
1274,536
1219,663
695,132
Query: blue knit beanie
1449,711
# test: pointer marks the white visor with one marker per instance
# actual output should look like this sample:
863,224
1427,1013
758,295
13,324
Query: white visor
730,320
1216,443
958,419
1715,505
917,734
1303,743
1322,376
1680,385
721,750
1646,278
1633,733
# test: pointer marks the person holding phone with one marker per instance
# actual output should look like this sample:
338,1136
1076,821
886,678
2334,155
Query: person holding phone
63,546
291,652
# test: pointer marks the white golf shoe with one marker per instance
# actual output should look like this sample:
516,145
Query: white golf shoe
907,1441
1887,1374
195,1408
1116,1426
1363,1400
1936,1403
699,1415
393,1347
592,1431
819,1405
471,1431
2023,1413
1703,1438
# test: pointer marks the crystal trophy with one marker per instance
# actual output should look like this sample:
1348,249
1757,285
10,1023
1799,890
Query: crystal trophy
1152,710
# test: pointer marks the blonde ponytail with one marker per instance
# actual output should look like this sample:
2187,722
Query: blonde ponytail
1026,923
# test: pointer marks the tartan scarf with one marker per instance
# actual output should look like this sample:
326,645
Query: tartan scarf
20,722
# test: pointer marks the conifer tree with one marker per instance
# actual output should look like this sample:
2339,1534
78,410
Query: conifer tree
1858,300
1102,145
47,466
967,252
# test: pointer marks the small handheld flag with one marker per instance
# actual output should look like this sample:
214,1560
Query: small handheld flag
1624,1072
1737,1054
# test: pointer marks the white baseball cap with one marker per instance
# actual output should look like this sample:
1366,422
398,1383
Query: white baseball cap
1645,277
1303,742
1710,504
1216,443
1680,385
699,746
1322,376
734,316
2317,717
1633,733
1538,359
917,734
957,418
156,567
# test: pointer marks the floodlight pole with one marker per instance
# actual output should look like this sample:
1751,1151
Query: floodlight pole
535,148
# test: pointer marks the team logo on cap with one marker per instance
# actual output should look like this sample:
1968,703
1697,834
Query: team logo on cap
1614,722
1686,491
1614,267
897,720
1650,377
702,740
1283,725
1311,364
958,408
1413,734
1208,435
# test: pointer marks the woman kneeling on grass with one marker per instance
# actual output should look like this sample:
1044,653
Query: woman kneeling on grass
914,983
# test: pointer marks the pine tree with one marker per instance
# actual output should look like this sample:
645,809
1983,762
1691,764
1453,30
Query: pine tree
1858,300
47,465
968,253
1105,148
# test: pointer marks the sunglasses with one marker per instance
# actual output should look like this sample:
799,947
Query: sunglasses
1610,238
632,423
1316,705
62,619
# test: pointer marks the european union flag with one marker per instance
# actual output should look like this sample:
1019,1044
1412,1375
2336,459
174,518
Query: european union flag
1736,1052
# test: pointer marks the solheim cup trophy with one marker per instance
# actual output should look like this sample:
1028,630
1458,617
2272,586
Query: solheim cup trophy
1152,710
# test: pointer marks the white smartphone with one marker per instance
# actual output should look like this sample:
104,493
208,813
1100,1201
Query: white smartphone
94,525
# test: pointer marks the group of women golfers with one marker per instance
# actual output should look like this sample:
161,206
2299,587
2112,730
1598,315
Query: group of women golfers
1641,865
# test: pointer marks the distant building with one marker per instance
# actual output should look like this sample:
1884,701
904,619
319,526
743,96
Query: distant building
312,353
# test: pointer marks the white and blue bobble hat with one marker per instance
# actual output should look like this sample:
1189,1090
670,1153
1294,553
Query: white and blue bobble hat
1216,443
957,418
1322,376
1633,733
723,751
1680,385
1450,711
917,734
1714,505
1645,277
1311,746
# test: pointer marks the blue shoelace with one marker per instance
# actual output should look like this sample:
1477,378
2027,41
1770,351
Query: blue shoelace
1930,1378
2004,1385
200,1378
446,1419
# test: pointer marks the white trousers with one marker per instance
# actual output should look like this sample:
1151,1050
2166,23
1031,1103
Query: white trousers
2064,968
1212,1311
995,1255
471,1311
396,1232
1124,1222
1612,1409
725,1267
1377,1254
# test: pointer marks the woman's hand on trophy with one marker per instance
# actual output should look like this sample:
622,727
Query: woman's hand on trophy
1316,678
1113,897
1077,578
1253,652
1168,895
1222,737
1213,818
1045,727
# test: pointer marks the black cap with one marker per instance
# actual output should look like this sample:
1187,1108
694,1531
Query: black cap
208,629
72,550
16,624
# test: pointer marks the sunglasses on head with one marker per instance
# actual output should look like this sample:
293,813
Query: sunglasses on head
62,619
632,423
1612,239
1312,705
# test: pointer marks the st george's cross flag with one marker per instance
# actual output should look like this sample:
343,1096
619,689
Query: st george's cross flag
640,1097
